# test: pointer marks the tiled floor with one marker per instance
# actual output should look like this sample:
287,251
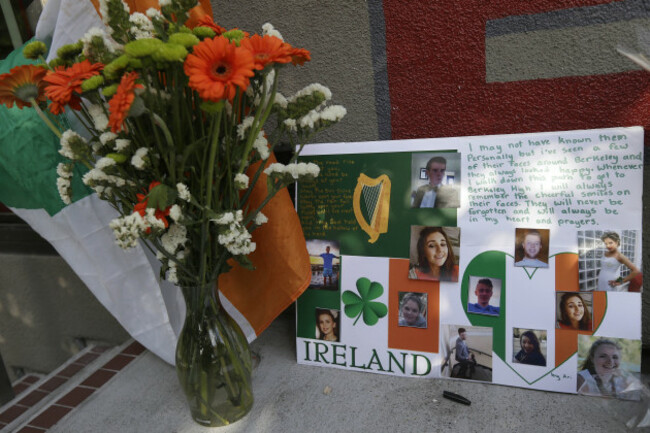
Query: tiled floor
59,408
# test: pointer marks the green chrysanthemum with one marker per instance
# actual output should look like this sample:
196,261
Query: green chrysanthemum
56,62
142,47
187,40
204,32
109,91
92,83
234,35
70,51
114,70
169,53
34,50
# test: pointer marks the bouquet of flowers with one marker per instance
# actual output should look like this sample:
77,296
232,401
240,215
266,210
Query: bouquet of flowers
177,129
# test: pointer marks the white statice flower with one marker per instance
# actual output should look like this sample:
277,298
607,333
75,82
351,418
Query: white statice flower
183,192
243,126
261,145
63,185
295,170
107,137
153,13
152,221
175,213
268,29
128,229
142,27
99,180
290,124
99,117
241,181
309,90
174,238
235,237
274,168
104,163
138,160
308,169
280,100
164,3
109,43
160,256
260,219
64,171
121,144
172,273
66,140
333,113
224,218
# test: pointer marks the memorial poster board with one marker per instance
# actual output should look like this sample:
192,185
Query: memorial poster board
510,259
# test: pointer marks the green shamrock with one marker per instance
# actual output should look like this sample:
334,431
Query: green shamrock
356,306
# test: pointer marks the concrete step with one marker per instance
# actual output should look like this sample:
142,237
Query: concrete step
41,402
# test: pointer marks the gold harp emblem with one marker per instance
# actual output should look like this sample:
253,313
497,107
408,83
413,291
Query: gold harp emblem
376,197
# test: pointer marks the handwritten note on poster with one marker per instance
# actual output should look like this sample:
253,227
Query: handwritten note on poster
574,179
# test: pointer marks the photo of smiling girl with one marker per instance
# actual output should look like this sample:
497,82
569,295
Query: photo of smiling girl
327,324
434,253
574,310
609,367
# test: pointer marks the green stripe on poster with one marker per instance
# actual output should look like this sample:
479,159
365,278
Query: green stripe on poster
490,264
326,206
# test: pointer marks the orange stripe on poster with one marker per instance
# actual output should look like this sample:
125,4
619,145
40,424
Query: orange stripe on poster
566,280
404,337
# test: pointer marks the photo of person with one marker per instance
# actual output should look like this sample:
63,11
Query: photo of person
434,253
484,296
325,260
529,346
467,352
609,367
327,324
531,248
435,180
413,309
609,260
573,310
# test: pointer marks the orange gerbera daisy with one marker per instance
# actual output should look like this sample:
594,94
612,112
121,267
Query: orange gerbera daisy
64,84
21,84
207,21
120,104
267,49
216,67
141,207
299,56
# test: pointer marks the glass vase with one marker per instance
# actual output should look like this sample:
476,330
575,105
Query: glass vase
213,361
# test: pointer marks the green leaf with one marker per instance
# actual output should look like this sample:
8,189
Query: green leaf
375,291
349,298
356,306
353,310
161,197
378,308
245,262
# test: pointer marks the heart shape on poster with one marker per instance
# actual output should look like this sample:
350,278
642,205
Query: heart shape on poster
492,264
